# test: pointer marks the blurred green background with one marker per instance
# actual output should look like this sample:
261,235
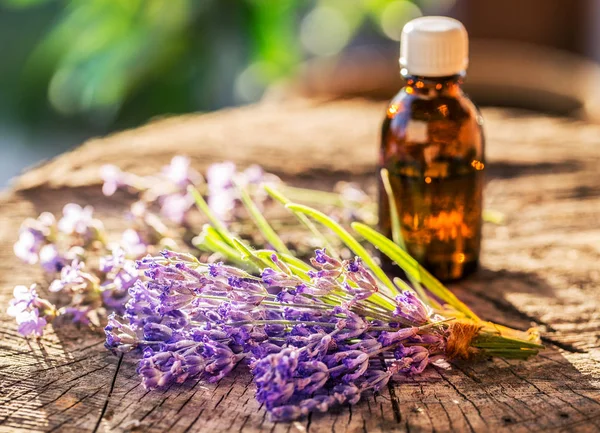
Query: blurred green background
75,69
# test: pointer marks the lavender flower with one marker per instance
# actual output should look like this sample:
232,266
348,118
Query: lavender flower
223,195
84,315
120,275
30,311
323,261
411,360
113,261
161,369
113,179
73,278
133,244
175,206
220,359
79,220
120,337
121,272
50,259
221,191
274,377
411,308
28,246
341,394
33,235
23,299
30,323
180,173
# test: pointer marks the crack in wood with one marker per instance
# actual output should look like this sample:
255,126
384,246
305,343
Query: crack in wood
110,391
395,403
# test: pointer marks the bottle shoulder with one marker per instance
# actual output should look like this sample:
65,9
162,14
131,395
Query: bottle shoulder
435,105
432,126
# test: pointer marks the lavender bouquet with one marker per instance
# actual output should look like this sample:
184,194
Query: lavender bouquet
314,333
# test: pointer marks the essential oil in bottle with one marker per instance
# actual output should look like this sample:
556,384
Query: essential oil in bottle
432,145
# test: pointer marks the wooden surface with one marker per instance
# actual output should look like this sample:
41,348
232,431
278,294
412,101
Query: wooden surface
542,267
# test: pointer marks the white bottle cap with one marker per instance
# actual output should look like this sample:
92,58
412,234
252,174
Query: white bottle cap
434,47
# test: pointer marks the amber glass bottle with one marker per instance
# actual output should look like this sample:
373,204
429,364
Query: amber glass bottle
433,147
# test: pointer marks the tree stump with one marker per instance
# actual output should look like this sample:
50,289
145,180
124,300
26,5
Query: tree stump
541,267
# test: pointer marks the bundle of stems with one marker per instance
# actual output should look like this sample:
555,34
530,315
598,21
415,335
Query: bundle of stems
470,335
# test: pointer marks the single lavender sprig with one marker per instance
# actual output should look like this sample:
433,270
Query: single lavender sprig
31,312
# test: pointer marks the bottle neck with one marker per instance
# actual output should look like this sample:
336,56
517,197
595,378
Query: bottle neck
433,85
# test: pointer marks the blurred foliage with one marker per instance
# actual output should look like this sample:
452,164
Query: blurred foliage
127,60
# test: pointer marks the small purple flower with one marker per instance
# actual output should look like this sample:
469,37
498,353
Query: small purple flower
274,377
254,174
28,246
389,338
175,206
411,308
353,265
133,244
219,176
354,325
157,332
179,172
120,336
74,279
365,283
33,235
323,261
25,308
113,179
80,314
410,360
215,269
377,379
341,394
30,323
313,376
50,259
23,298
79,220
279,279
115,260
127,276
221,194
220,359
161,369
356,364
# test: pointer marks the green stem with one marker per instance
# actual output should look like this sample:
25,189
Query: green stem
276,195
261,222
397,230
248,254
314,196
412,267
213,243
350,242
205,209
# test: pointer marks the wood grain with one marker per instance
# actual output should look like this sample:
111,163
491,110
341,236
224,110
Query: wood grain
541,267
